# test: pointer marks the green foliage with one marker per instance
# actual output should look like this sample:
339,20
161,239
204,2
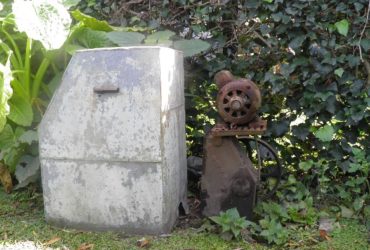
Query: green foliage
21,112
230,221
91,22
305,59
342,27
39,26
191,47
5,90
200,103
275,218
93,33
122,38
273,231
325,133
159,37
24,73
45,21
304,55
14,143
89,38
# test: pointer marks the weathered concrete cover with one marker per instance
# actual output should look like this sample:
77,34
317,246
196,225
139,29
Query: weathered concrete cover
116,161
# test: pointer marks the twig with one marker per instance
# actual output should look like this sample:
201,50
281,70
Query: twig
132,12
363,60
185,8
125,7
263,39
132,2
363,32
367,67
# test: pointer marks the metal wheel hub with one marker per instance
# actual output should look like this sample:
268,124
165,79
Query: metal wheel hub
238,101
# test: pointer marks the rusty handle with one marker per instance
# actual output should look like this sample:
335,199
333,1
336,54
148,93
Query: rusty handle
106,89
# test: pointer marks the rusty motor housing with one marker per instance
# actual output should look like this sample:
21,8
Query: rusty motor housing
238,100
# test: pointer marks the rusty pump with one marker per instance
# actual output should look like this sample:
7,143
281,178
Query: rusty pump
237,166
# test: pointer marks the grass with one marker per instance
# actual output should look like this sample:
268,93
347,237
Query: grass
21,220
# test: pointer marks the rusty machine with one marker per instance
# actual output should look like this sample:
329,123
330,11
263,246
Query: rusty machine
237,167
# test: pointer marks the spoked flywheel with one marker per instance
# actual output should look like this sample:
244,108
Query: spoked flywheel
264,157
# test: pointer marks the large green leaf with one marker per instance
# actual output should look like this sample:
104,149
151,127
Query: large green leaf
125,38
46,21
7,138
28,137
6,91
160,37
72,48
20,111
342,27
27,170
91,22
325,133
191,47
70,3
92,38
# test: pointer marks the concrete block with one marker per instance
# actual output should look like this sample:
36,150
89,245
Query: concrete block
116,160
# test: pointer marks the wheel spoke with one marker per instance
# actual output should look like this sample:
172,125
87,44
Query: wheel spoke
244,108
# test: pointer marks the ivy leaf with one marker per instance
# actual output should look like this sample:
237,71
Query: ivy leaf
365,44
268,1
346,212
339,72
252,4
46,21
325,133
297,42
306,165
125,38
358,203
160,37
6,91
20,111
91,22
279,128
342,27
191,47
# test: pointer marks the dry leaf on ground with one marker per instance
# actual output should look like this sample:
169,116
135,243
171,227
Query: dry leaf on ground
324,235
86,246
52,241
5,178
143,242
